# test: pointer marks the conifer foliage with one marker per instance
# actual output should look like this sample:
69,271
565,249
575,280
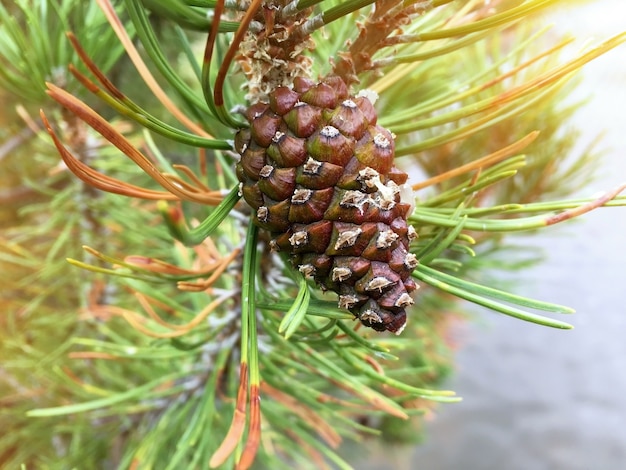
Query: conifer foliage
237,174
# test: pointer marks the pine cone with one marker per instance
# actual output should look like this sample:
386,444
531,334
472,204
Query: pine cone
319,173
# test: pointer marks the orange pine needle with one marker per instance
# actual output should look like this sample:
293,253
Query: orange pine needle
93,68
192,176
237,426
199,318
305,447
28,120
373,400
323,429
483,162
143,70
72,376
218,10
99,180
577,211
102,126
195,286
526,64
156,265
92,355
254,430
137,321
375,365
211,198
218,93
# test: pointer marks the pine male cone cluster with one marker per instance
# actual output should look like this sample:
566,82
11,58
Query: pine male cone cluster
319,173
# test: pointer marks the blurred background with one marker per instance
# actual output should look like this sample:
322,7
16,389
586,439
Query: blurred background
536,398
533,397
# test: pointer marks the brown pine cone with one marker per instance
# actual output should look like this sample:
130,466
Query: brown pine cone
319,174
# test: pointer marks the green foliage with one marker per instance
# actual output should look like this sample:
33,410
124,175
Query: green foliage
34,47
184,317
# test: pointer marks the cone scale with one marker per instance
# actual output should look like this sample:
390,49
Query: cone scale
319,175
